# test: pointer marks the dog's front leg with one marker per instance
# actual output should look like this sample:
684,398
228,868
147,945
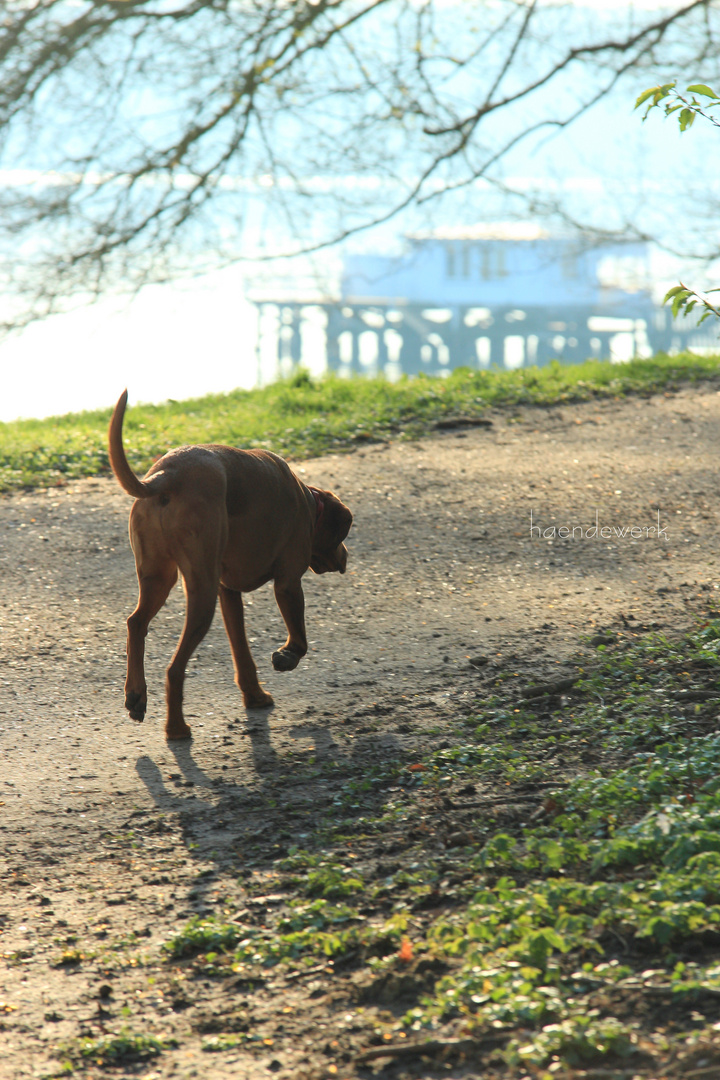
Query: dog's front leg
254,697
291,601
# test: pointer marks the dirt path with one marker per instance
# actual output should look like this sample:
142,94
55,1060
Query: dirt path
107,831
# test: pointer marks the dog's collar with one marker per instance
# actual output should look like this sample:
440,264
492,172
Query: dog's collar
319,506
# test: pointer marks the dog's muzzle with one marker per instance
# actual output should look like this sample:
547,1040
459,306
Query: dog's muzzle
330,563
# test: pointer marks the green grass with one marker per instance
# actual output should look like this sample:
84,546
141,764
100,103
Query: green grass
623,876
581,930
115,1049
587,935
303,417
316,929
202,936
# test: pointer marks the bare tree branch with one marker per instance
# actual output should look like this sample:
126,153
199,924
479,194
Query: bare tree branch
141,140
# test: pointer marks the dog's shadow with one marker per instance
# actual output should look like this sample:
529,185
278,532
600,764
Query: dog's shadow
218,807
187,790
265,756
193,795
324,746
190,776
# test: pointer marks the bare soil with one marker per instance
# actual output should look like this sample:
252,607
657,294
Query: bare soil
107,831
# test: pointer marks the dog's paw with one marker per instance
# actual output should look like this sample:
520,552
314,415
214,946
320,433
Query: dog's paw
136,705
285,660
258,701
178,731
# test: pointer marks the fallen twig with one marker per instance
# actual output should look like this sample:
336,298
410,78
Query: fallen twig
446,423
696,695
433,1046
655,990
608,1074
309,971
556,687
521,800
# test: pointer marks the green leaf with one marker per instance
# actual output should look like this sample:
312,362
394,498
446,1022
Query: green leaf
552,852
539,944
656,93
645,95
687,117
661,929
701,88
679,300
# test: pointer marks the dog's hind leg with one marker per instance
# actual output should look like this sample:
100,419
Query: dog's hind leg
291,601
155,582
196,533
254,697
201,598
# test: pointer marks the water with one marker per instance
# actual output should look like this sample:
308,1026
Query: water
170,341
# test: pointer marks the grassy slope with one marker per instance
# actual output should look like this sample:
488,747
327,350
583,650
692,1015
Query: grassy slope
301,417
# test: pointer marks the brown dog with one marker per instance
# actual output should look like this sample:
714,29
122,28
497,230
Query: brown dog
229,521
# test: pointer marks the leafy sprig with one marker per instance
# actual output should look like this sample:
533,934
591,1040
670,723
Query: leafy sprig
698,99
669,98
684,300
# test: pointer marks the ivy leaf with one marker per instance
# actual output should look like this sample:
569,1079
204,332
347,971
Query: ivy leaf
539,945
659,928
553,853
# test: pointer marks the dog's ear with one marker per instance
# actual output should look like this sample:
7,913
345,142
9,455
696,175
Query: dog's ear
333,524
335,521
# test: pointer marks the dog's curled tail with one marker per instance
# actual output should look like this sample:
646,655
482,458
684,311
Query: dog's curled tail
124,475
